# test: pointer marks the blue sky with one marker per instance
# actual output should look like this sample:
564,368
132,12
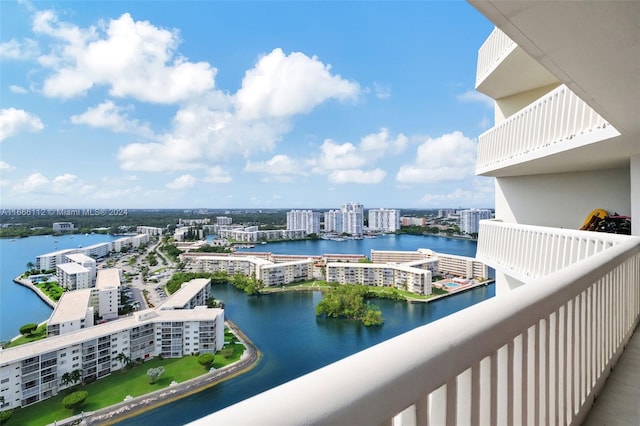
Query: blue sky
167,104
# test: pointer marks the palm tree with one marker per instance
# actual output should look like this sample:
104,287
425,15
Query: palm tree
30,266
76,375
123,359
65,380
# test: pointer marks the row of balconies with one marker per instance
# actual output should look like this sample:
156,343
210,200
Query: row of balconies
558,121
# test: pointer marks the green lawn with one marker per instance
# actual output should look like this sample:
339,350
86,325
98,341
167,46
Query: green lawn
113,389
40,333
51,289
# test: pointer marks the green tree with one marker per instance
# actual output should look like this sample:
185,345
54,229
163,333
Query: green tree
206,360
155,373
123,359
28,329
30,266
75,400
76,376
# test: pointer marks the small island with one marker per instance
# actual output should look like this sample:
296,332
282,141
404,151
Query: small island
349,301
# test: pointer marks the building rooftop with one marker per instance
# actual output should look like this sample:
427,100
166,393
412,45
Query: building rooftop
108,278
72,306
180,298
72,268
80,258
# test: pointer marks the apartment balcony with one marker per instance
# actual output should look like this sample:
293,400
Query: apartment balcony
557,133
539,354
505,69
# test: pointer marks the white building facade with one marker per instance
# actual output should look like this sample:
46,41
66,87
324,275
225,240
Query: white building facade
470,220
384,220
353,219
307,220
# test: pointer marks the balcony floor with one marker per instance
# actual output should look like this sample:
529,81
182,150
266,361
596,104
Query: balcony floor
619,402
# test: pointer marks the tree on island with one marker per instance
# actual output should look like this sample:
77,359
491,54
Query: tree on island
348,301
75,400
28,329
30,266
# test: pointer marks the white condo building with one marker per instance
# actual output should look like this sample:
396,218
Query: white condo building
384,220
72,276
565,77
470,220
106,293
353,219
333,221
307,220
149,230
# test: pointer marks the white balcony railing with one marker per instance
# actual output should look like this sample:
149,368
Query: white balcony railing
528,252
537,355
492,52
553,120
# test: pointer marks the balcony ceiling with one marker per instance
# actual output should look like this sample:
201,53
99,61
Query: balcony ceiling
591,46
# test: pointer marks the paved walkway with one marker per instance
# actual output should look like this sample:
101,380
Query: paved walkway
619,401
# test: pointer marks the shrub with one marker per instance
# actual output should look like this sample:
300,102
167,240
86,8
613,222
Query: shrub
75,399
28,329
206,360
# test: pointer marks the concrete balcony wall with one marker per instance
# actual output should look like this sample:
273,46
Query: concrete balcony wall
562,200
537,355
525,252
504,69
510,105
556,123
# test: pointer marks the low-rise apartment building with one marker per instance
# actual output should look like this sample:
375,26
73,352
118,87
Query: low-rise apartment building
72,276
106,293
403,277
462,266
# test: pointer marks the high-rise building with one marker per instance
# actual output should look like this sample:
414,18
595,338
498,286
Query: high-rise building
353,218
385,220
306,220
470,220
333,221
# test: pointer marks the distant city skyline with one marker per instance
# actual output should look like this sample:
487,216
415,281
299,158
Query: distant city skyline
241,105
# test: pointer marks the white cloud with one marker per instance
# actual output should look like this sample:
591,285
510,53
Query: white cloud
133,58
357,176
112,117
182,182
475,96
217,174
67,183
284,85
278,165
481,195
381,92
6,167
211,131
14,120
19,90
19,50
448,157
372,147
